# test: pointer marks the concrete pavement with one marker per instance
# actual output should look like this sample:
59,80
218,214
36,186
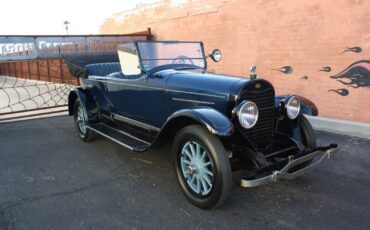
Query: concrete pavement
49,179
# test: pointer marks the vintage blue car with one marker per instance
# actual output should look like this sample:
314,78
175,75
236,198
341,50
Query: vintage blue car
156,91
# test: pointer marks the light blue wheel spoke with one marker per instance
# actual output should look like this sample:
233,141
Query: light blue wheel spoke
206,164
193,185
187,153
203,184
208,172
186,162
208,180
198,150
193,152
192,180
198,185
203,156
197,168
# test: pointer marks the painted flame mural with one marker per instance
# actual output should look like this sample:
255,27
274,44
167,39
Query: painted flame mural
356,75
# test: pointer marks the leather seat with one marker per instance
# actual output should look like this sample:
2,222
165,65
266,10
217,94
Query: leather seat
103,69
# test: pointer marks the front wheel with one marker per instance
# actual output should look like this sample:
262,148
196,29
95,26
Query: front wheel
307,133
202,167
308,139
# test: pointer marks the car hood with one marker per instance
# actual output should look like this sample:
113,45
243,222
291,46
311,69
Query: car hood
206,83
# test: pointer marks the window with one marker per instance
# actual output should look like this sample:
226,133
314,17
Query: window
129,59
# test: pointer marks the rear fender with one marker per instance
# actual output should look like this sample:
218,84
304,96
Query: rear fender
86,100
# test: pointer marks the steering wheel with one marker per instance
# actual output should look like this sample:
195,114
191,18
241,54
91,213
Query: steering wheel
182,60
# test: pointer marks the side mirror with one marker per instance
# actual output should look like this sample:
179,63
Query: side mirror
215,55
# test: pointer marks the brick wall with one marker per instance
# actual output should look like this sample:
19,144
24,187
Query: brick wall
305,35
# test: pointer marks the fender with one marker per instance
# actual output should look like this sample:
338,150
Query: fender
292,128
86,99
307,106
216,122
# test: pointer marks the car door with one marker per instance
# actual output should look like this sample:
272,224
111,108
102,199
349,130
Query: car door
140,99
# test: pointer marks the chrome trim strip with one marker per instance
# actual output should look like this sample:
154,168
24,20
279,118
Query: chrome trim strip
125,79
95,77
199,94
193,101
134,122
110,138
127,134
225,96
106,116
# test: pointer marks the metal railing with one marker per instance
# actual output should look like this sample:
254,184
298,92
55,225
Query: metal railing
18,95
33,75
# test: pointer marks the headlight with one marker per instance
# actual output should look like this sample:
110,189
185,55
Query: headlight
248,114
293,106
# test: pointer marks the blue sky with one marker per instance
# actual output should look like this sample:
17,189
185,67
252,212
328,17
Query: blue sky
47,17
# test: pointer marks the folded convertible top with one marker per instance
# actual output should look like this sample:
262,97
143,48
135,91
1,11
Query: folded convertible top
76,64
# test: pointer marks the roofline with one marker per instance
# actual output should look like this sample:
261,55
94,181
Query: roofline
146,33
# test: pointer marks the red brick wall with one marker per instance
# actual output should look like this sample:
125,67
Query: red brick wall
304,34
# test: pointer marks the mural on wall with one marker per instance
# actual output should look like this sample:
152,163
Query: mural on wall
325,69
353,49
356,75
285,69
342,92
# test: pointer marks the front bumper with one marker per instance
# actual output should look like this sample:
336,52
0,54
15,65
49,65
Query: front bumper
317,155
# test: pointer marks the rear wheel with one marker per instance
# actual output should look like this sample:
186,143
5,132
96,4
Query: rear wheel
202,167
80,120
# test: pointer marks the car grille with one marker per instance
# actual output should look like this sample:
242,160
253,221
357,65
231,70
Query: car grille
261,134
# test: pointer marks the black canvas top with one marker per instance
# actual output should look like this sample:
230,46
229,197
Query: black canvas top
76,64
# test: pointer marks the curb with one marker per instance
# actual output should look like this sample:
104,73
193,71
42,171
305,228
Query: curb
36,117
350,128
34,114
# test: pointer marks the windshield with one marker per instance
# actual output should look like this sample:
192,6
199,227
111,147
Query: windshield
153,54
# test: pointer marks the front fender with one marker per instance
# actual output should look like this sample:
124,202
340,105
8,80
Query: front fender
86,100
216,122
307,106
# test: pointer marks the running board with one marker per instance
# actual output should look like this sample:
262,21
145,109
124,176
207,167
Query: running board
120,137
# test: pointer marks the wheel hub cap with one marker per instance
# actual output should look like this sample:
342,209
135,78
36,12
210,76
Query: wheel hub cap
191,169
